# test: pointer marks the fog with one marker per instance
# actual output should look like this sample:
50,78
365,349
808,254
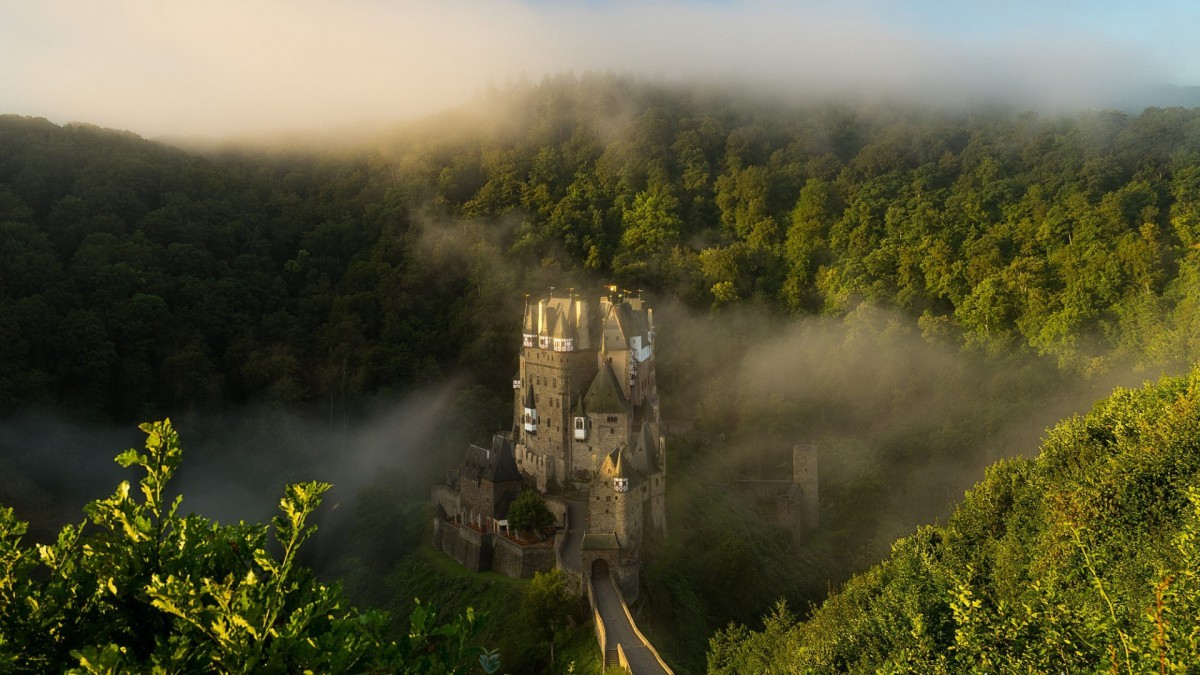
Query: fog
904,422
236,463
229,69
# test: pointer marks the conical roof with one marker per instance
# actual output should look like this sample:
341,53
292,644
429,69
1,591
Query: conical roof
530,317
622,469
617,464
605,395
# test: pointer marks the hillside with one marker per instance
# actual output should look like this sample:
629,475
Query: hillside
139,279
1081,559
919,292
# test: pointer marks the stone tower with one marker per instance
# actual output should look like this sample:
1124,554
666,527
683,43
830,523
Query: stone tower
586,383
586,419
586,428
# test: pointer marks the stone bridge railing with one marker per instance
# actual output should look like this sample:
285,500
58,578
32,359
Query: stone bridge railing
638,632
601,634
617,655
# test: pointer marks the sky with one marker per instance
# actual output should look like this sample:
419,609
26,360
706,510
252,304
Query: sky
222,68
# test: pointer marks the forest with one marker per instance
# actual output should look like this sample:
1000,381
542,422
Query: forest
921,292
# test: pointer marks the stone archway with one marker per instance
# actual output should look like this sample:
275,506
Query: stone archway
600,568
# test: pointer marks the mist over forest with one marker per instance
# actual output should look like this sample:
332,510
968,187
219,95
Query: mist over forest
922,292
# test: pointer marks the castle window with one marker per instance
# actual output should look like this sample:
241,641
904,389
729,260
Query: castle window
612,419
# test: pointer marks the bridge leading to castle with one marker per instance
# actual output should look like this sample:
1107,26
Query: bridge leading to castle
620,640
621,643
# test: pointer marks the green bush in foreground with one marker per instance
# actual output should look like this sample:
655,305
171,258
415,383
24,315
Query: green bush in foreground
137,587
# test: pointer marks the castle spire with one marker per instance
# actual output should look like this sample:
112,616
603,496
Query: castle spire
529,411
529,331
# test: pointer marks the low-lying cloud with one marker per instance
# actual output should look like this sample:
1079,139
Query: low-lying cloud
227,68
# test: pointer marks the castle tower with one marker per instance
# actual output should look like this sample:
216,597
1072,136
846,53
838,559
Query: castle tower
615,519
585,419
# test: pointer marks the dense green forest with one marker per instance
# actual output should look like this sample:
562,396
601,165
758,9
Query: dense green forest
919,291
1082,559
139,278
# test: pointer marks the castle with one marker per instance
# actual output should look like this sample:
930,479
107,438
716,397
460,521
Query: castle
586,434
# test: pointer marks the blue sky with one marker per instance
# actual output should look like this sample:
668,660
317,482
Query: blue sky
223,67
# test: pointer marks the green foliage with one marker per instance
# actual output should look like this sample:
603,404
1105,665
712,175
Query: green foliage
137,587
550,608
1082,559
139,278
523,644
528,512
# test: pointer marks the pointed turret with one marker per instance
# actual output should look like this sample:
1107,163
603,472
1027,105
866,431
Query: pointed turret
605,395
530,411
529,330
581,421
542,326
562,338
617,469
583,326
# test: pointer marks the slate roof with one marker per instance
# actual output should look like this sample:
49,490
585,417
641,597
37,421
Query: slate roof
605,395
599,541
646,450
495,464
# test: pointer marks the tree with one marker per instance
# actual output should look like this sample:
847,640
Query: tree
548,605
528,512
138,587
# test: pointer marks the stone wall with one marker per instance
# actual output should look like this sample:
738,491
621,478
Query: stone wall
534,466
521,562
605,510
573,579
469,548
558,507
446,498
608,430
557,378
626,576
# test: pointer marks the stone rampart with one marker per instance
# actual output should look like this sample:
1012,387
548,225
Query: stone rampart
468,547
558,508
521,562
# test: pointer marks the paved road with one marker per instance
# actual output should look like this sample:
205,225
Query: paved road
577,518
618,629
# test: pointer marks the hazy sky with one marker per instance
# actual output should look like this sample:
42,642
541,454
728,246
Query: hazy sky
220,67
